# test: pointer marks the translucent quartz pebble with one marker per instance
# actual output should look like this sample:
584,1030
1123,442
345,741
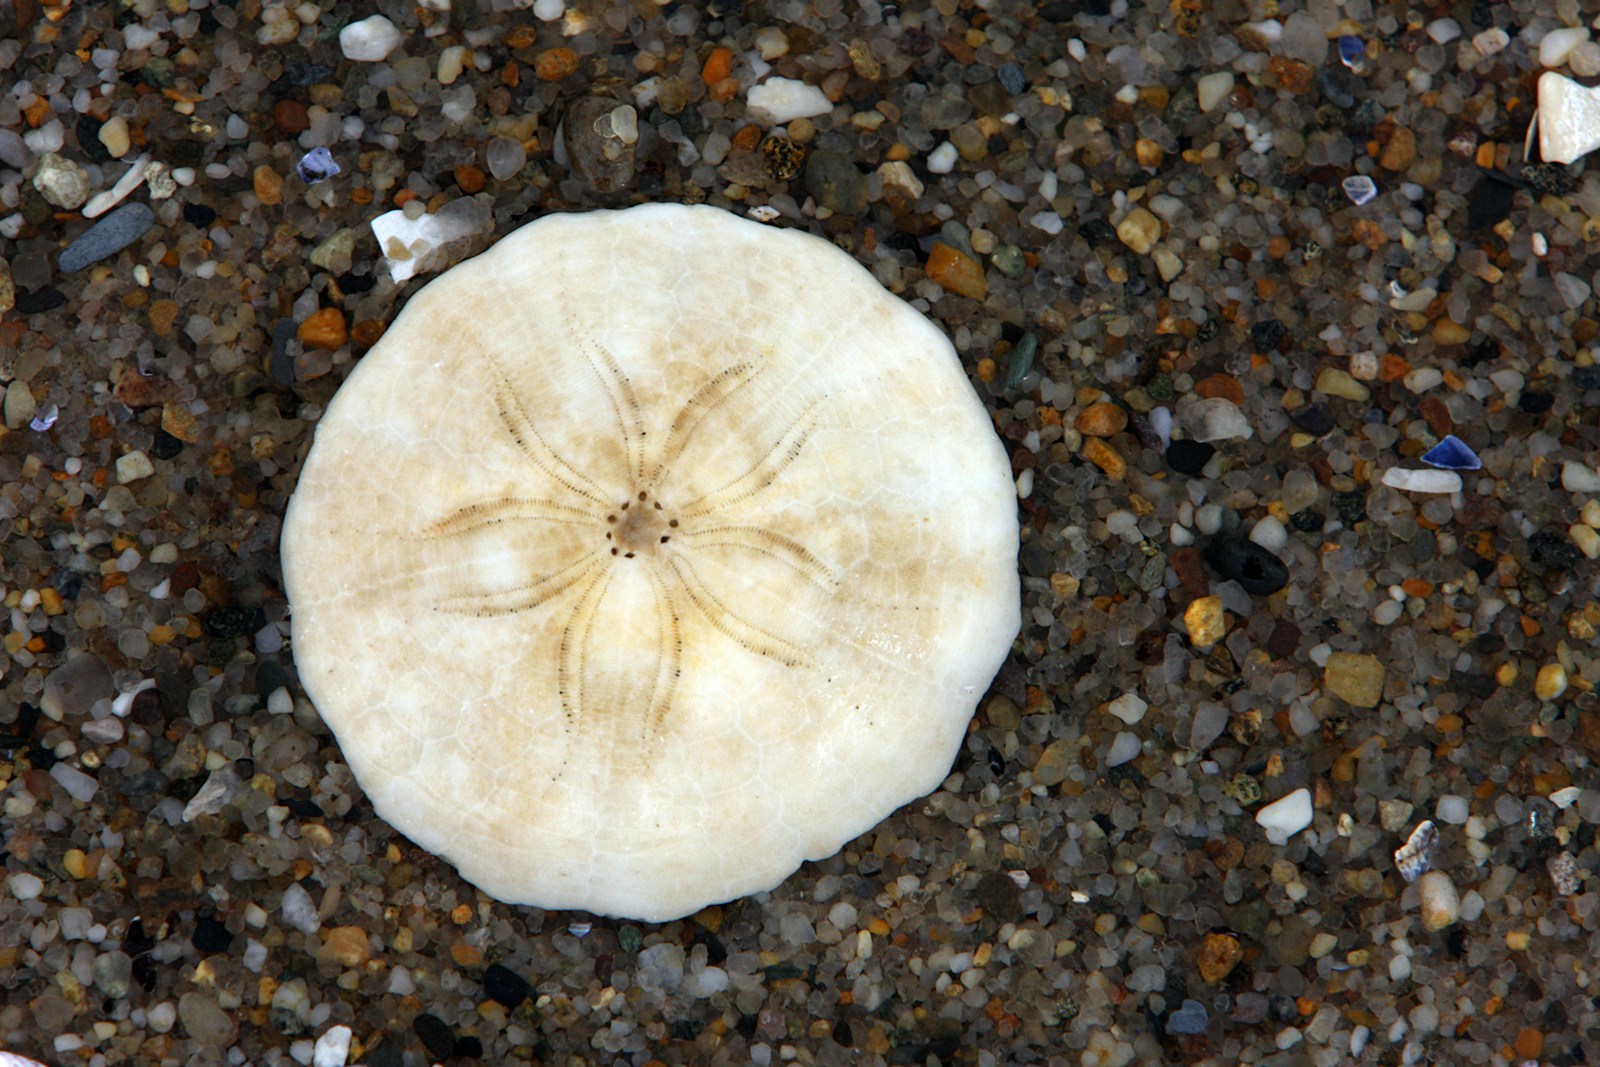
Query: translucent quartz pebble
1359,188
505,157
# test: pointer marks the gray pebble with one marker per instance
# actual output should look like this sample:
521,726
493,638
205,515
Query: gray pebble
72,689
107,237
836,183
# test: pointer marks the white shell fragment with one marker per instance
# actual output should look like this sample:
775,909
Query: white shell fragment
781,100
1422,481
648,555
1413,858
1567,118
1286,816
413,246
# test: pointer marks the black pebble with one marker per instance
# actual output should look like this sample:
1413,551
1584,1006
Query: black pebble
1067,10
351,282
385,1056
1536,401
1097,232
198,215
233,621
998,894
1258,571
165,445
1489,202
301,808
1308,521
210,936
1351,506
88,130
1266,334
1552,551
468,1048
1189,457
44,298
505,986
436,1037
1315,419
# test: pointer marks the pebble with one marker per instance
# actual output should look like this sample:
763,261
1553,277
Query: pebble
332,1048
1550,682
370,40
324,328
299,911
81,787
1139,230
1213,89
1579,477
1558,44
1354,677
414,246
133,466
1359,188
1584,60
316,165
1258,571
942,160
1124,748
348,946
1217,956
1190,1018
1286,816
20,405
107,237
778,101
504,157
1491,42
957,272
25,886
1189,457
1441,903
1128,707
1334,381
1216,419
1414,857
61,182
135,176
205,1022
1206,621
835,183
114,136
1270,534
1422,481
1055,762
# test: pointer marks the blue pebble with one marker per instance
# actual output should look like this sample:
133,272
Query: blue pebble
1452,454
1011,79
316,165
1352,50
1191,1018
107,237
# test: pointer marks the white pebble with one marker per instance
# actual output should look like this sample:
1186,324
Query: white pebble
1444,30
1124,747
78,785
781,100
1451,809
1216,418
134,466
942,160
333,1048
1270,534
1491,42
299,911
1128,707
161,1017
1423,378
1285,817
1579,477
25,886
549,10
1208,519
1213,89
369,40
1441,904
1585,60
1557,45
1422,481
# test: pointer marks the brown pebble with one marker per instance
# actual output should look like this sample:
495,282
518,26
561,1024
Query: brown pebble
323,329
346,945
1437,414
1448,332
469,179
1400,152
365,334
269,186
1218,955
1105,457
555,64
1186,564
1225,386
1102,420
1292,75
137,390
163,313
958,272
290,116
178,422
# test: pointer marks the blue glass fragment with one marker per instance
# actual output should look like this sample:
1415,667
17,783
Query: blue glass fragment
316,165
1452,454
44,418
1352,51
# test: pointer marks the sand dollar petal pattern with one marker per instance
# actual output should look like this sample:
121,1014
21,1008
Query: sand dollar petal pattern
648,555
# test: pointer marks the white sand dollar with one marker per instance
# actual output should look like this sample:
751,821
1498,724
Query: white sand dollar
648,555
